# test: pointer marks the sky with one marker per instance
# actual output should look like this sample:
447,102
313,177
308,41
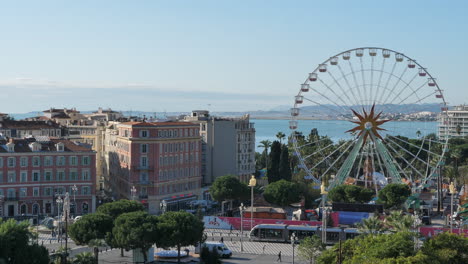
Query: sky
242,55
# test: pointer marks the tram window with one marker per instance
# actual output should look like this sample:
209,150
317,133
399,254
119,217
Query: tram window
333,236
351,235
273,233
255,232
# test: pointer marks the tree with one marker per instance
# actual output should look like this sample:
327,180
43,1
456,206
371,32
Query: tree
116,208
84,258
446,248
282,193
310,248
228,187
280,135
265,144
393,195
350,194
273,167
284,168
371,225
400,222
381,248
15,244
135,230
180,229
91,229
119,207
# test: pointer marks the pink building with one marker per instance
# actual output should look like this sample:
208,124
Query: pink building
160,162
35,171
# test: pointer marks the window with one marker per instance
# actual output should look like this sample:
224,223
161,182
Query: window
1,162
73,175
23,176
11,193
60,147
60,175
61,161
144,148
1,192
48,175
36,161
23,192
1,176
11,176
85,175
144,133
11,162
48,161
24,161
144,161
73,161
36,176
36,191
85,161
143,177
48,191
85,190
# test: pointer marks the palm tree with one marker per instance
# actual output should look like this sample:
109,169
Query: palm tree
399,221
265,144
280,135
372,226
84,258
418,133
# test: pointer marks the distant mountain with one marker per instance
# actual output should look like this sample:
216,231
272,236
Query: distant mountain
279,112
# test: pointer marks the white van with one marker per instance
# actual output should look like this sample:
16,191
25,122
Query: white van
223,251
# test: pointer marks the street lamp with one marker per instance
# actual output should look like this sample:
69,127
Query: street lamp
324,193
74,189
293,243
252,184
452,193
133,190
59,203
241,209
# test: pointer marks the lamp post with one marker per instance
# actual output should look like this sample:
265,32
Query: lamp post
241,209
74,189
133,190
59,203
293,243
324,193
252,184
452,193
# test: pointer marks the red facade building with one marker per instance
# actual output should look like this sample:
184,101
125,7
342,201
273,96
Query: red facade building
34,171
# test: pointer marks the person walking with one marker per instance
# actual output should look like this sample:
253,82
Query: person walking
279,257
221,240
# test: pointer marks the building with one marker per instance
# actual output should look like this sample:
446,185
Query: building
34,171
157,163
20,129
455,123
228,145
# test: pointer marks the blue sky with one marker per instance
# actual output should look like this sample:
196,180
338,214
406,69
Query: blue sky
220,55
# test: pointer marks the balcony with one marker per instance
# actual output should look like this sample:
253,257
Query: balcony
11,199
142,168
143,183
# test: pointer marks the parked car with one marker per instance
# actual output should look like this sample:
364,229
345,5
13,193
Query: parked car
223,250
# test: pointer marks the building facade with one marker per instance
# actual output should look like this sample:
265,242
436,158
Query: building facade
455,123
228,145
36,170
156,163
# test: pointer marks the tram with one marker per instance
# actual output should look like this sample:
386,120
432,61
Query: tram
283,232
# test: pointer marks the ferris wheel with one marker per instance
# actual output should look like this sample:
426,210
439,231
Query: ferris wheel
368,116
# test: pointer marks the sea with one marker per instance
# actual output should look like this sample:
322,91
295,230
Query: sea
266,129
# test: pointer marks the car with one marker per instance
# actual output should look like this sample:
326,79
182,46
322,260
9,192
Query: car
426,220
77,218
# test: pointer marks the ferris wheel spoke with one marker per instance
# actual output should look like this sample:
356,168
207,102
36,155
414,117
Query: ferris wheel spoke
397,82
331,90
364,83
356,83
407,151
312,143
391,167
406,86
416,146
373,168
349,86
319,151
431,94
329,108
378,159
413,92
341,88
380,80
331,154
336,160
388,81
372,81
406,161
